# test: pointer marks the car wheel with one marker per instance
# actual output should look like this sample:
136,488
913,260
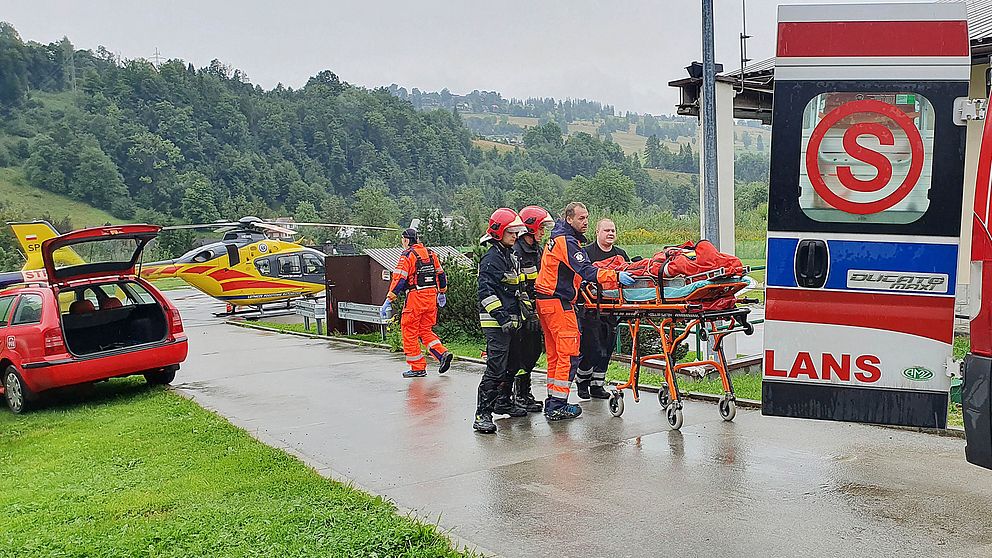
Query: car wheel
161,377
16,392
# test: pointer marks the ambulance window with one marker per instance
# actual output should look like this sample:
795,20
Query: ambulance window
312,265
5,303
866,157
262,265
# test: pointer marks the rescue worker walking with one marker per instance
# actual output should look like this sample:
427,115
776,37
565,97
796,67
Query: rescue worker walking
528,251
564,265
499,316
418,274
599,331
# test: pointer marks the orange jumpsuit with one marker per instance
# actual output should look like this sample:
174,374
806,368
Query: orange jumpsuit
419,274
564,266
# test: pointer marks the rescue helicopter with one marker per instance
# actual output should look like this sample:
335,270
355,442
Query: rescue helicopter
246,268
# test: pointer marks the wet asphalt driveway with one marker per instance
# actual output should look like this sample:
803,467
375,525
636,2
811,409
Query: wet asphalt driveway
598,485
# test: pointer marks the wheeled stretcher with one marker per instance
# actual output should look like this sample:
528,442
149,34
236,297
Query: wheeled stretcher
675,308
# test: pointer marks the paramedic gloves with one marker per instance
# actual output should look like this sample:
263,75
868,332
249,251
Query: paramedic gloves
386,311
441,299
625,278
509,327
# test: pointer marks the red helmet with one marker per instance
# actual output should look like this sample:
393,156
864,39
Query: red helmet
502,221
535,217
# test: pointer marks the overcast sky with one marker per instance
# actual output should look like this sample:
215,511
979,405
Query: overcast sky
623,53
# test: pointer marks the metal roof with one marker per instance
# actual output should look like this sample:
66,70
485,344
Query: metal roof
389,257
766,65
979,19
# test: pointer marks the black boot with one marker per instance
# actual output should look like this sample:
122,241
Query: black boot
597,392
484,424
505,405
523,396
582,388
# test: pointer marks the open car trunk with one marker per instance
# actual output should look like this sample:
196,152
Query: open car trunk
111,317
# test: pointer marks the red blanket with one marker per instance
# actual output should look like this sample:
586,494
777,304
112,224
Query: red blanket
675,261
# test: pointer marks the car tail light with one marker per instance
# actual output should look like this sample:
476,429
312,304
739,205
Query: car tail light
54,344
176,320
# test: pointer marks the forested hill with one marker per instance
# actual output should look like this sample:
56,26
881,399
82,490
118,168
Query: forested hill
169,142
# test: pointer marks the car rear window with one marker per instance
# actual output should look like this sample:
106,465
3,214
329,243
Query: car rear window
28,310
107,296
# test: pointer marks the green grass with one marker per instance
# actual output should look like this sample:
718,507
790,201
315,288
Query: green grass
33,202
138,471
629,143
170,283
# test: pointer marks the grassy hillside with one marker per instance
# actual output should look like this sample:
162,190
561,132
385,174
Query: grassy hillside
486,145
33,203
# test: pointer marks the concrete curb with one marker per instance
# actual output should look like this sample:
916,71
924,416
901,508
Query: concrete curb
951,432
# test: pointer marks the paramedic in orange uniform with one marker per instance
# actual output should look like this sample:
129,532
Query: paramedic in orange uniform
564,266
418,274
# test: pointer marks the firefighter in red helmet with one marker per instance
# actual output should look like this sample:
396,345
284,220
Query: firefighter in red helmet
528,250
419,274
500,317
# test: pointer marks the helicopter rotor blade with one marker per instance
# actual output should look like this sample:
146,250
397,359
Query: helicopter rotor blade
341,226
273,228
199,226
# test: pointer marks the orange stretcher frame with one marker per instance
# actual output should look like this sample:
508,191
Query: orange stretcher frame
675,320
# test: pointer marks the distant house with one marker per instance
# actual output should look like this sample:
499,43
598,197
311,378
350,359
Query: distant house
287,222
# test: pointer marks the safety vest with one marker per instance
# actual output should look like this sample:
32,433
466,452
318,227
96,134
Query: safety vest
425,272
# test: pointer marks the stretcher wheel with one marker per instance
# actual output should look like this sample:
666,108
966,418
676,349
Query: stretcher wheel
748,328
663,398
674,414
703,334
728,408
616,403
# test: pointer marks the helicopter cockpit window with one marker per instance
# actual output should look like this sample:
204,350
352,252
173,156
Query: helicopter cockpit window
289,265
203,257
312,265
262,265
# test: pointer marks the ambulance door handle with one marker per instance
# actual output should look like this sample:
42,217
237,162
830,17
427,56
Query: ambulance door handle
811,263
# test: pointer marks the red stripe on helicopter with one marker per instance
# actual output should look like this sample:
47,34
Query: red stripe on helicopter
872,38
225,274
200,269
926,316
234,285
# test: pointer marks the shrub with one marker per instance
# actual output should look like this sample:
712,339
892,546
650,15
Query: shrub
459,319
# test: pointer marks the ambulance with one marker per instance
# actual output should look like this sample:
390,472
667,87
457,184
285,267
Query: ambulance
864,212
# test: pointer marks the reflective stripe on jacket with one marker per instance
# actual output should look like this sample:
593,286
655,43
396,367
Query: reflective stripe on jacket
499,280
565,264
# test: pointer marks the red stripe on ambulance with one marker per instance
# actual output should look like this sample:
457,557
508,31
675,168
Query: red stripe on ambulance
925,316
872,38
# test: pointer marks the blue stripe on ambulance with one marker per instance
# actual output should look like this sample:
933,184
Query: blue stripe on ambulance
845,255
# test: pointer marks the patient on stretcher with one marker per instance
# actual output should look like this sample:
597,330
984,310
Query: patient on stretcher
687,273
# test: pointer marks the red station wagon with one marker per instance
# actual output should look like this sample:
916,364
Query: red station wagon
95,319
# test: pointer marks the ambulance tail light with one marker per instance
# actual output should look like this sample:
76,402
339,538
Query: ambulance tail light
54,343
